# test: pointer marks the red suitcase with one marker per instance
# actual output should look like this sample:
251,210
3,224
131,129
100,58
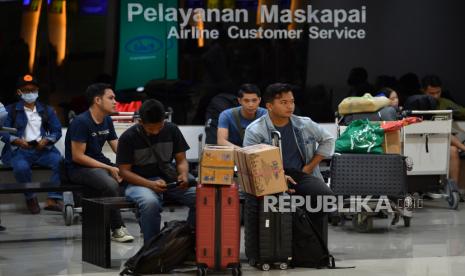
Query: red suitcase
217,228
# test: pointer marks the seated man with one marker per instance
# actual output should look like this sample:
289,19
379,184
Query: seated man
145,153
3,115
233,121
432,85
304,143
85,162
38,130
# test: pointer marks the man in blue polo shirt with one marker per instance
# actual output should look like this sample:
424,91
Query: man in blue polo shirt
85,161
233,121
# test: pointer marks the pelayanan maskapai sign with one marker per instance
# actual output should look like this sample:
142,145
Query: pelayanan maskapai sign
322,23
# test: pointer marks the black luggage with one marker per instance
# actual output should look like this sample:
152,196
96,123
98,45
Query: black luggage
369,174
373,175
387,113
310,241
268,235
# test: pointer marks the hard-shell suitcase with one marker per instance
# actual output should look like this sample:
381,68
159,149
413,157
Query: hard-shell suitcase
217,228
373,175
369,174
268,235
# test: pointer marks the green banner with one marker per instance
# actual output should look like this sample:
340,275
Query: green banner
144,52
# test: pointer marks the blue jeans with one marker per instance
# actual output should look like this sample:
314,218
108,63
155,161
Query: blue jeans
22,160
150,206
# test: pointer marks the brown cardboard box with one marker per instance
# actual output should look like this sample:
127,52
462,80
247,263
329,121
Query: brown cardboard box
391,142
217,165
260,170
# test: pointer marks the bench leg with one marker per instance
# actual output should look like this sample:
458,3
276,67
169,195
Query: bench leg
96,234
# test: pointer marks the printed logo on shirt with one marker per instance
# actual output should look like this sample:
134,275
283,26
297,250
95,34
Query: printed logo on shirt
104,132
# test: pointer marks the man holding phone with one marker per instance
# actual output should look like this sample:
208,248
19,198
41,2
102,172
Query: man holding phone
144,157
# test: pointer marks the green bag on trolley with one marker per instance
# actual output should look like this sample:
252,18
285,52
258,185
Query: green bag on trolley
361,136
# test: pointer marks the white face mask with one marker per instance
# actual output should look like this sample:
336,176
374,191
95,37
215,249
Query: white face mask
30,97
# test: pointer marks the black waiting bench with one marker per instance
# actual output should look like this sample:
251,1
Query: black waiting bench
96,236
36,187
96,228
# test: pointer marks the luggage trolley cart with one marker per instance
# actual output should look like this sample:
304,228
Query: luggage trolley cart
376,175
427,147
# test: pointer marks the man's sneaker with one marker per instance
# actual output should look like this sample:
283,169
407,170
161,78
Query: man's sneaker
121,235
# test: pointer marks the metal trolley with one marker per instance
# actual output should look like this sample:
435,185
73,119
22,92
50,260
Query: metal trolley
427,146
378,175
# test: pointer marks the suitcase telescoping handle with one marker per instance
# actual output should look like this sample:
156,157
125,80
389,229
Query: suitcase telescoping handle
276,141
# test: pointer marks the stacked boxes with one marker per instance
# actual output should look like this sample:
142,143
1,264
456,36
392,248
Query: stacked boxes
217,165
260,170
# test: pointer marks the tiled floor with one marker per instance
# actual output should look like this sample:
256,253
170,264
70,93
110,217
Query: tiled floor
433,245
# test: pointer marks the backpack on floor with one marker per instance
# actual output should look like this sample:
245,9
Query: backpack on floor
309,249
164,252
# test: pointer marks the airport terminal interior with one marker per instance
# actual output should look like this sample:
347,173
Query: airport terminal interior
194,56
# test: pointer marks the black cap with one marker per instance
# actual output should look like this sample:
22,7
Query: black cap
26,80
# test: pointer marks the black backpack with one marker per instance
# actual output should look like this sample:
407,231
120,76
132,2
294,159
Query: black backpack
420,102
308,247
387,113
164,252
218,104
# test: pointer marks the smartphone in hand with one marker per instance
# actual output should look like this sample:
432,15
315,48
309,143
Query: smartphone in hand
173,185
33,143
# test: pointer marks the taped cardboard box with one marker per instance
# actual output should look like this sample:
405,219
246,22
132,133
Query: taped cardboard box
217,165
260,170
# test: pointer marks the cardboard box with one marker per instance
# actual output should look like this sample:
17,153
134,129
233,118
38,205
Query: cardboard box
391,142
217,165
260,170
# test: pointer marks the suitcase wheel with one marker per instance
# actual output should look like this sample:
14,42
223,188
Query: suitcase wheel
283,266
236,271
252,262
68,214
201,271
265,267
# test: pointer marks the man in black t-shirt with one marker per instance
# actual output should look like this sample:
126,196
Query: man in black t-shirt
145,154
85,162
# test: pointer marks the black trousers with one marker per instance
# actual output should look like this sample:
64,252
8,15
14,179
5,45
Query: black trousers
309,185
100,184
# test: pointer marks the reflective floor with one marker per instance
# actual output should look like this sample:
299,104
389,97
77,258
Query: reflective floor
433,245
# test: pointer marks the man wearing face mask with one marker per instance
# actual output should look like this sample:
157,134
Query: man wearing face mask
38,129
